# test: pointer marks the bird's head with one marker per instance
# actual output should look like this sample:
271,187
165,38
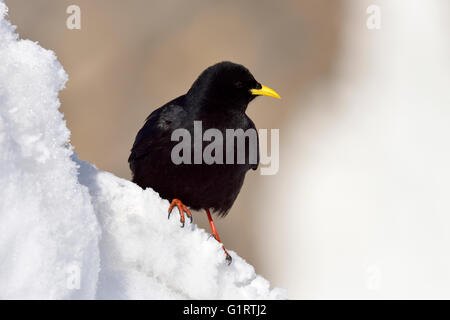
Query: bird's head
227,85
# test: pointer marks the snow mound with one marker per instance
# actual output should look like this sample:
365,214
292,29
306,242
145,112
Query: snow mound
70,231
47,223
145,255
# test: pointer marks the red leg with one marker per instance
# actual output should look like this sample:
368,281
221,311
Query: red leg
216,235
181,208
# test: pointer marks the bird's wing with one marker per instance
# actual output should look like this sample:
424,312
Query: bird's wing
157,129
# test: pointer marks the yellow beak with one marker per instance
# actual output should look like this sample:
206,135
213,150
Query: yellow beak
265,91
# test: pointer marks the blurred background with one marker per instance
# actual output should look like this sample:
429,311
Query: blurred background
359,207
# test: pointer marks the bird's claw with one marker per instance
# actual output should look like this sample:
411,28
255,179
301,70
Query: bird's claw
212,235
228,257
181,209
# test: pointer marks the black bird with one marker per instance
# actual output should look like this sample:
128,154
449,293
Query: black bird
218,98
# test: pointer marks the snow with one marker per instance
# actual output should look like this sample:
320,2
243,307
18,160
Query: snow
70,231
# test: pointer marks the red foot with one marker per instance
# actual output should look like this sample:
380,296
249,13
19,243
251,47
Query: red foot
182,209
216,236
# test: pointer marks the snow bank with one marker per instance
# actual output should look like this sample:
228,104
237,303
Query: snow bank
70,231
47,223
144,255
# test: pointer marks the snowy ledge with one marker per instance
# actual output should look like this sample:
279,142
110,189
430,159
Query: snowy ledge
70,231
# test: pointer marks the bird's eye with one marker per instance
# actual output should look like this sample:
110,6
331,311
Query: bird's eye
239,84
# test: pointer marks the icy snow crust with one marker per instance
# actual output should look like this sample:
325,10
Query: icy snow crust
70,231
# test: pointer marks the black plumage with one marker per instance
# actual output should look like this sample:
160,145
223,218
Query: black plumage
219,98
